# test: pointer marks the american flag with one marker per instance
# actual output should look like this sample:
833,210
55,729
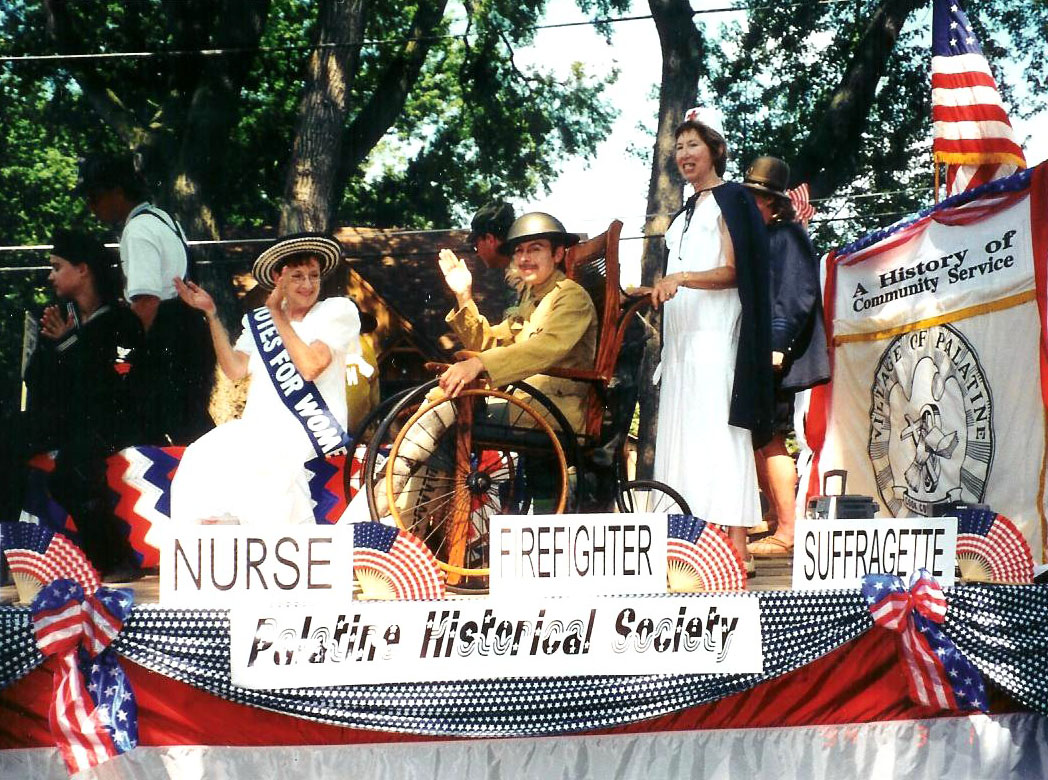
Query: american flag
799,199
938,674
972,134
401,558
40,554
95,719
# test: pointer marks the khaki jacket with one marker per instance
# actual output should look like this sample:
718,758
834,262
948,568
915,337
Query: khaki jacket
555,325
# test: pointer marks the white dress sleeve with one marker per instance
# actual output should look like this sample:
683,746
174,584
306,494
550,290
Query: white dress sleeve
245,341
338,325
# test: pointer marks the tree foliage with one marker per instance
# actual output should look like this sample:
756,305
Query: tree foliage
842,91
438,118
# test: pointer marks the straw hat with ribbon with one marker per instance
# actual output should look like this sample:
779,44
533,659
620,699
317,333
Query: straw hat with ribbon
325,249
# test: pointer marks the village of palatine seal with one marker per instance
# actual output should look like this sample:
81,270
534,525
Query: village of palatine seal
931,422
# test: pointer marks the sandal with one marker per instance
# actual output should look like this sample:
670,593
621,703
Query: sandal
770,547
751,567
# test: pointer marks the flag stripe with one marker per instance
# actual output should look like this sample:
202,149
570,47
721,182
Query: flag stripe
972,96
963,80
960,63
978,112
991,148
976,131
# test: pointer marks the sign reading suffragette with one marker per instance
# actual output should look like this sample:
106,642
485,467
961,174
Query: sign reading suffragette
221,565
831,554
415,641
554,555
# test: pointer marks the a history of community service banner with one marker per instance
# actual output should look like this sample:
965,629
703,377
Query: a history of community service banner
936,393
390,642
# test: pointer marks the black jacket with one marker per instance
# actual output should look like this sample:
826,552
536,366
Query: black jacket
753,394
78,384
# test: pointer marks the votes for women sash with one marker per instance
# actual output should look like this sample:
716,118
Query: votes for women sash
301,397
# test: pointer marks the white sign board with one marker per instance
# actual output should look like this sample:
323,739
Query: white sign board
221,565
831,554
560,555
416,641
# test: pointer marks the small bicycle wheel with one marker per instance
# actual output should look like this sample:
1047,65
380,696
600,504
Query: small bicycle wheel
648,495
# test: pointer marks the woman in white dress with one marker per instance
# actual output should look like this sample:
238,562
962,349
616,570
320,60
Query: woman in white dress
715,400
294,348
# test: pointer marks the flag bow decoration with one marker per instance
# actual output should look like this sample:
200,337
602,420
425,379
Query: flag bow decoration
95,719
938,675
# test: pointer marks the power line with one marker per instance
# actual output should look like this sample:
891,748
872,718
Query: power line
375,42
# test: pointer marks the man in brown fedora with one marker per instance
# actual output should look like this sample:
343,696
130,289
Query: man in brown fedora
798,341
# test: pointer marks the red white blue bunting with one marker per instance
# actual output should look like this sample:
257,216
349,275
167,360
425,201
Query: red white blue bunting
1001,629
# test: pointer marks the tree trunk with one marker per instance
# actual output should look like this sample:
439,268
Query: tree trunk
213,113
827,159
682,55
317,148
387,100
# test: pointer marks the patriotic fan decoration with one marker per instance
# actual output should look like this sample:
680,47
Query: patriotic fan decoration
38,556
991,549
700,557
390,563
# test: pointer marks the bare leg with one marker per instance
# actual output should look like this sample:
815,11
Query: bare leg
769,520
737,534
776,470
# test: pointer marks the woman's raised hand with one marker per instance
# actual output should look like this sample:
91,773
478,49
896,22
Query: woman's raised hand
456,273
195,296
53,325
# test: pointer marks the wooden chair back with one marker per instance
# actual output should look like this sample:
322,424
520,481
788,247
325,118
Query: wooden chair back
594,264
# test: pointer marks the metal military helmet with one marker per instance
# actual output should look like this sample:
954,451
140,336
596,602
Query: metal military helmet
537,224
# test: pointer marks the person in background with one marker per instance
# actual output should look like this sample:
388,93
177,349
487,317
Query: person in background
175,372
715,400
798,341
77,396
362,380
488,231
295,348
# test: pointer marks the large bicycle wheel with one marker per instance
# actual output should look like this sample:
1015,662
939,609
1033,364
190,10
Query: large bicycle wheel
648,495
353,481
455,463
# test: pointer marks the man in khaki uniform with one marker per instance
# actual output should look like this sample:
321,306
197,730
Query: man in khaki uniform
555,325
